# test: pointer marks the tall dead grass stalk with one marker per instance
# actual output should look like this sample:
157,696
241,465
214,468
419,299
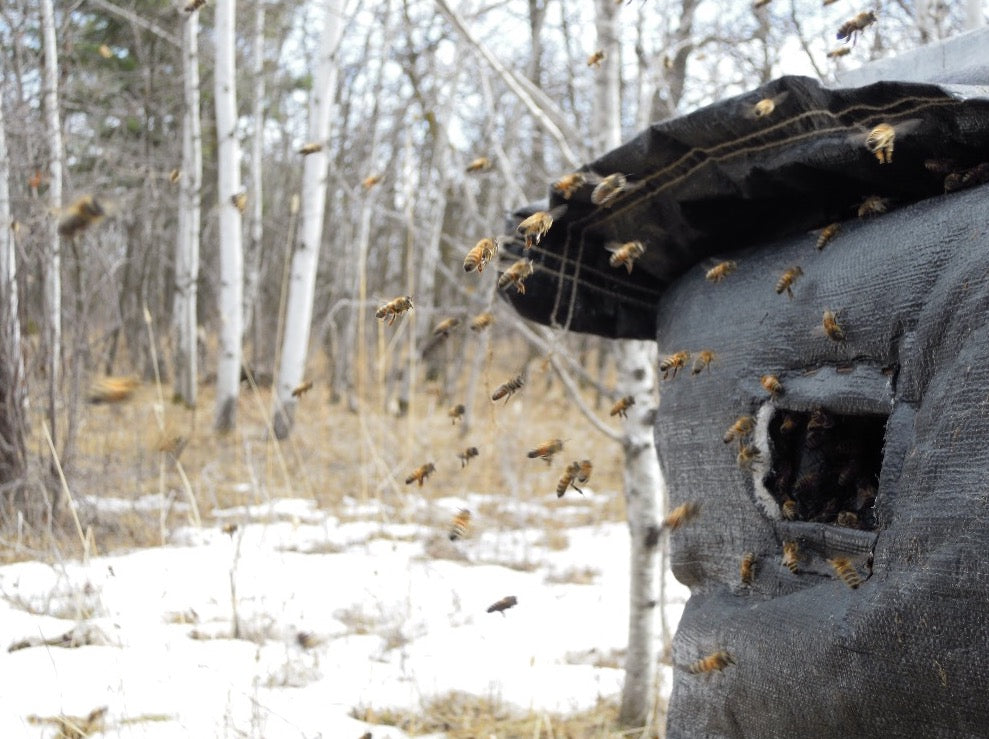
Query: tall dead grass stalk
159,410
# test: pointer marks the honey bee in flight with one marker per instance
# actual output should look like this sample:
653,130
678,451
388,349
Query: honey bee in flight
546,450
480,164
786,280
584,470
851,28
444,327
746,568
83,213
625,254
832,329
873,206
880,139
506,390
610,188
721,270
595,59
789,509
713,662
394,308
703,361
175,175
456,412
310,147
839,52
112,389
766,106
194,5
301,389
239,201
419,474
739,430
846,571
371,180
673,363
791,555
567,480
481,321
467,455
621,407
460,525
771,384
515,275
683,513
748,455
826,234
538,225
308,640
480,254
503,605
569,184
172,445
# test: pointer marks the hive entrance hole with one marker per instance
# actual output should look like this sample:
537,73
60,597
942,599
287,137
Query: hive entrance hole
825,466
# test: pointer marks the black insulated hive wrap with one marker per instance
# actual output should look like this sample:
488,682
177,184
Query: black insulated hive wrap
721,179
879,440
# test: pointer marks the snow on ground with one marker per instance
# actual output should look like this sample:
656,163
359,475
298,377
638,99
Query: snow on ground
391,613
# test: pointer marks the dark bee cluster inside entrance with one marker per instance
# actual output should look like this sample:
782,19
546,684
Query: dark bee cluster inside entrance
825,466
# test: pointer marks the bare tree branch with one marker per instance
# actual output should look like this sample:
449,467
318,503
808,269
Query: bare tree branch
137,20
574,392
512,83
795,20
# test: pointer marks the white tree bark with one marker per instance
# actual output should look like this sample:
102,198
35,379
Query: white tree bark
922,19
302,280
187,242
10,329
12,395
644,492
231,246
252,258
53,266
636,361
607,79
975,16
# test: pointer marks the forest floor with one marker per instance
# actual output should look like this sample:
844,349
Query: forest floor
301,589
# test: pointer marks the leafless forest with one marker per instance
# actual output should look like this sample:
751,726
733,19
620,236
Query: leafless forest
205,205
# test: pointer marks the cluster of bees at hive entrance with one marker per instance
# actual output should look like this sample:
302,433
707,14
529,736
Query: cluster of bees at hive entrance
824,467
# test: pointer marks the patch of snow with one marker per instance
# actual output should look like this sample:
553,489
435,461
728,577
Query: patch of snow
332,617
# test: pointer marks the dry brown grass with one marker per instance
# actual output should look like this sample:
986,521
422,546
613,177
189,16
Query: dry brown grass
574,576
331,454
463,716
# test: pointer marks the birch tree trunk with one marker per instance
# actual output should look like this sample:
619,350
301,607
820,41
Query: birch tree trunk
252,258
974,14
53,267
636,362
187,243
13,451
350,375
644,492
922,20
231,246
302,280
